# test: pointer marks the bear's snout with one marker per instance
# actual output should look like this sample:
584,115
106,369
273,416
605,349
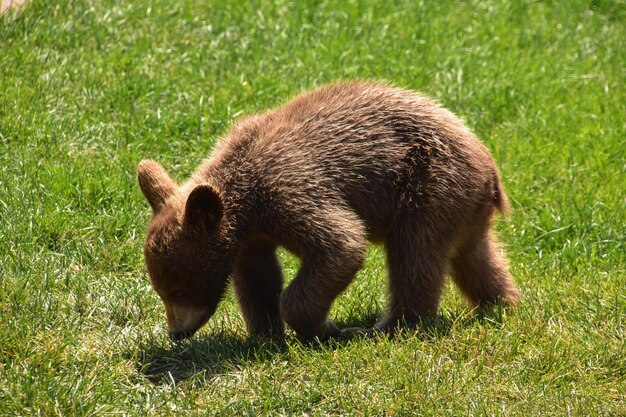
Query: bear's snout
184,321
180,335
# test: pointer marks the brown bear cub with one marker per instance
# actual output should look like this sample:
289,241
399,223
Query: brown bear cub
321,176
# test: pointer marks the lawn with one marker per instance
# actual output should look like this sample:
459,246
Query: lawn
89,88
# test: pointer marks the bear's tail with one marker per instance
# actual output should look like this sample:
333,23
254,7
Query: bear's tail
499,197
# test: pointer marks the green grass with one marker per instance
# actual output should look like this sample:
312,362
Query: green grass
89,88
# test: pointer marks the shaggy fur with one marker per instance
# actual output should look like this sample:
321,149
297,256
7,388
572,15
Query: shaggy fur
322,176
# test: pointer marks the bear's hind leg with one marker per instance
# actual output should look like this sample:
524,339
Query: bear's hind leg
258,283
417,262
481,271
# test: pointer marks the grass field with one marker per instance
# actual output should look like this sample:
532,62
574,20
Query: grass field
89,88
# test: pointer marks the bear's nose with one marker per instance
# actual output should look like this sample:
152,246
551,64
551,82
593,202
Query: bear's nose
180,334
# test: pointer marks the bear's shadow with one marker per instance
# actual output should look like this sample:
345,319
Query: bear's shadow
209,355
204,356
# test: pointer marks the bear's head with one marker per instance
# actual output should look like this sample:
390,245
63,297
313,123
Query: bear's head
186,251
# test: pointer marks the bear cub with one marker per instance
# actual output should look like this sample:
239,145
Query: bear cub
321,176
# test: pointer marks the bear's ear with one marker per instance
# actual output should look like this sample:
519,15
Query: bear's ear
155,184
203,210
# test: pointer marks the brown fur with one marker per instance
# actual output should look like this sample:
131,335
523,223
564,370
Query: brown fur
322,176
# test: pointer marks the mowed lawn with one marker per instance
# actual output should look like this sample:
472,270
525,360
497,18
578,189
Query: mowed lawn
89,88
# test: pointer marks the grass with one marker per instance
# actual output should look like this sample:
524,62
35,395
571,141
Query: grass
89,88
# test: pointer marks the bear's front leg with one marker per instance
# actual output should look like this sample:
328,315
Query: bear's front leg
258,282
328,266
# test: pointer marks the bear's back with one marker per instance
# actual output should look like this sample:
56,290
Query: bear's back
369,146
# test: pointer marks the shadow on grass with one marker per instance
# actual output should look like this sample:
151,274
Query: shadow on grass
203,356
436,328
220,353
